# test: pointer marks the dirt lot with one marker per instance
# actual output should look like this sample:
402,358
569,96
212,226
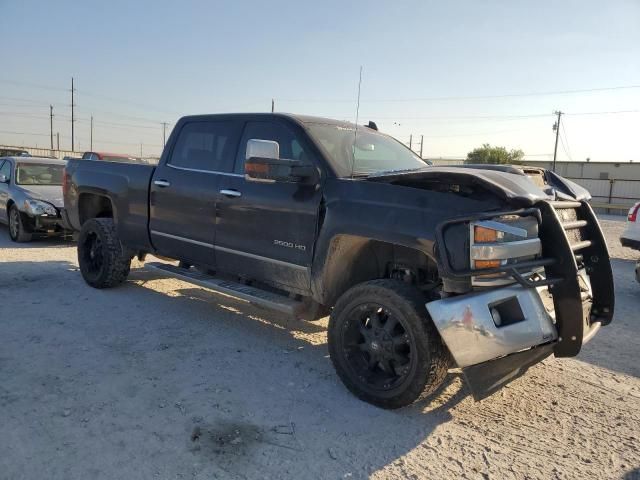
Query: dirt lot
160,379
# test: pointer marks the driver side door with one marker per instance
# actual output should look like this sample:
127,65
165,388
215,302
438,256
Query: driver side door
266,231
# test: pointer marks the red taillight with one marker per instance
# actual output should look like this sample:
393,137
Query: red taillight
633,212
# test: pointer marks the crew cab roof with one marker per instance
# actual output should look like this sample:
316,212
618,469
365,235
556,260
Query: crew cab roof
303,119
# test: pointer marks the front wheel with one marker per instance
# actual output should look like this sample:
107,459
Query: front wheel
383,345
17,230
103,263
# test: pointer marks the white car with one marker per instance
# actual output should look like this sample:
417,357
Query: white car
631,235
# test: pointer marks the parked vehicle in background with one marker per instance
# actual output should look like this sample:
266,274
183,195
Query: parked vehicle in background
108,157
31,196
420,267
13,152
631,235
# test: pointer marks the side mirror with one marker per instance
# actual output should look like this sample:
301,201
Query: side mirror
4,178
262,149
263,164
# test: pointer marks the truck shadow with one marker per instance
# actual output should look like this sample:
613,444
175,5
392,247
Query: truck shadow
300,387
246,384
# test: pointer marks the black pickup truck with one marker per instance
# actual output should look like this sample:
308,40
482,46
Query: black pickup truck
486,268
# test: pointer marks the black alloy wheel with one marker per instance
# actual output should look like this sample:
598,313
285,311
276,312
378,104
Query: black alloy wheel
377,346
383,344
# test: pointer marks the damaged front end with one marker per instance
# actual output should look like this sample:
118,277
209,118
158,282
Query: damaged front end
532,282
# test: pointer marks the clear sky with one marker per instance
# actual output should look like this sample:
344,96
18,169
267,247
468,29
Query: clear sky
139,63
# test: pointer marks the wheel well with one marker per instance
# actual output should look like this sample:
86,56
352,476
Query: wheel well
91,205
352,260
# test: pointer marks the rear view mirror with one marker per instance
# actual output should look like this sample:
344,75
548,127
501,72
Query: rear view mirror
263,164
4,178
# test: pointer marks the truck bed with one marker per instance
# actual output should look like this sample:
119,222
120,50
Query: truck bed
126,184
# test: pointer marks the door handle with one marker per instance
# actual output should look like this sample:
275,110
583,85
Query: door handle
162,183
230,193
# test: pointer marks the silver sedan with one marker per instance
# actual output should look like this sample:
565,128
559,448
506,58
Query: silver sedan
31,196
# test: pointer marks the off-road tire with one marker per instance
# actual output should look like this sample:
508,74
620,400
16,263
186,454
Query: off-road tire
115,263
432,359
17,230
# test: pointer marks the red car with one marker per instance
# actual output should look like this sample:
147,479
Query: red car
108,157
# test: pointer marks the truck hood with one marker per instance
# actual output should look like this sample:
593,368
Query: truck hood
519,185
48,193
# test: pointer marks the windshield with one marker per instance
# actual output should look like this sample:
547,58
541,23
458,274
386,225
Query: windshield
39,174
373,152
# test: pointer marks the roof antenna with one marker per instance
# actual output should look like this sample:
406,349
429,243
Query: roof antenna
355,135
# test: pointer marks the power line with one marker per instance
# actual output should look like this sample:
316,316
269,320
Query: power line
24,133
566,141
604,113
127,102
473,97
564,149
477,134
66,137
32,85
84,120
465,117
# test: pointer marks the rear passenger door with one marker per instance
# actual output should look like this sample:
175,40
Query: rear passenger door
184,189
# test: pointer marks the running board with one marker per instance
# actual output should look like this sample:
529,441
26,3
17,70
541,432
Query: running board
255,296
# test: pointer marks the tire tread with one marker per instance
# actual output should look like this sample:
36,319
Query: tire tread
432,372
117,264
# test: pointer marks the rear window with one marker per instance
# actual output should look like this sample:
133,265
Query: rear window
208,146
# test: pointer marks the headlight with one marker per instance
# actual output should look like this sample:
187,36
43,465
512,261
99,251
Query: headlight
37,207
503,241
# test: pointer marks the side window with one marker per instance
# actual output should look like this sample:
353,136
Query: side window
291,147
208,146
5,169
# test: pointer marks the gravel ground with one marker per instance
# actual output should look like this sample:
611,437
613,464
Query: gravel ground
161,379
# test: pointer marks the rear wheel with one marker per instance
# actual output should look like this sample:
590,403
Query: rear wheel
103,262
383,345
17,230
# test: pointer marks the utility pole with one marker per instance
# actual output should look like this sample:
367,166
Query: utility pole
164,133
73,118
556,127
273,105
51,123
410,141
58,141
140,149
421,142
91,135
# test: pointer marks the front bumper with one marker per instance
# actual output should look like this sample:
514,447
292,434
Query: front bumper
495,335
468,326
45,223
